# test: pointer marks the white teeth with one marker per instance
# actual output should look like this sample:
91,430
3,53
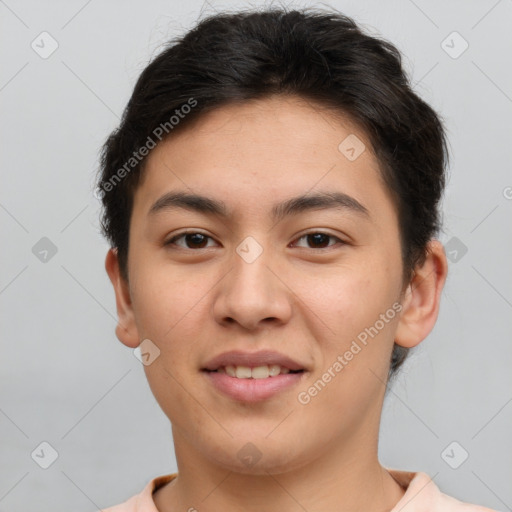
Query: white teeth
274,370
243,372
258,372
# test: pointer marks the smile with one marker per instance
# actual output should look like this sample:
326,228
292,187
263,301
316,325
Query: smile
258,372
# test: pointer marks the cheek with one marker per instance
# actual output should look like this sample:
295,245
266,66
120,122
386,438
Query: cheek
162,294
346,301
172,307
354,353
348,307
168,312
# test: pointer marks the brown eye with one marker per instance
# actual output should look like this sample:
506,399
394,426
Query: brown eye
196,240
319,240
192,240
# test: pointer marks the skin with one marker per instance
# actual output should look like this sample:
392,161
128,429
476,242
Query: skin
298,297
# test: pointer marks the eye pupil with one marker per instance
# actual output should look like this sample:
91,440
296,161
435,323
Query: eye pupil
318,239
196,239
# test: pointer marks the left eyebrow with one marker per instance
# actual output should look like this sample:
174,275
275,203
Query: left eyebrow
293,206
318,201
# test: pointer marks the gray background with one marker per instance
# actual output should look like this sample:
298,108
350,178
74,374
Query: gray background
66,380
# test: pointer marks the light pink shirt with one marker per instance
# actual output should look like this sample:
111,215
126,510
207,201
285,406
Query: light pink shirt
421,495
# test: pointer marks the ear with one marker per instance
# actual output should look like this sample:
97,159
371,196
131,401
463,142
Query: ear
422,298
126,329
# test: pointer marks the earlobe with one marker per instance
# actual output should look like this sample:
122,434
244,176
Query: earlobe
126,329
422,298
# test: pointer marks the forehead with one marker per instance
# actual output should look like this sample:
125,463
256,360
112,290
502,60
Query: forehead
262,150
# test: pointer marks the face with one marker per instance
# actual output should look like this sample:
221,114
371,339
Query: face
313,285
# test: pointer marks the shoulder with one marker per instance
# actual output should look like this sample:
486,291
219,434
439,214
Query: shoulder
423,495
143,502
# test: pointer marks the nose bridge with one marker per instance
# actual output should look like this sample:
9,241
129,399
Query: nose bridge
251,292
250,266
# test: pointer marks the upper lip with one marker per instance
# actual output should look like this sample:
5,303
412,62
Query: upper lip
252,359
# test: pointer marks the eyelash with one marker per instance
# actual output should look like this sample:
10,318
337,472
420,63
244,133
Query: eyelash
172,240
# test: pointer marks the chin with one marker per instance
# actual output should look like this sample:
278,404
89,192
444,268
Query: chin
260,457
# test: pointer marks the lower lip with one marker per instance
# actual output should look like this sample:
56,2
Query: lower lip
253,390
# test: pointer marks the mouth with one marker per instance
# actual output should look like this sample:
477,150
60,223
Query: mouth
257,372
253,377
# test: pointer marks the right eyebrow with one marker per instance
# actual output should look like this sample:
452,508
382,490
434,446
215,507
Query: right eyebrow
192,202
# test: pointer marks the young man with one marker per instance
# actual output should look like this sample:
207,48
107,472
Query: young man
271,199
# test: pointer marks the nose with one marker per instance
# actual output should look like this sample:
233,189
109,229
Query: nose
253,294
